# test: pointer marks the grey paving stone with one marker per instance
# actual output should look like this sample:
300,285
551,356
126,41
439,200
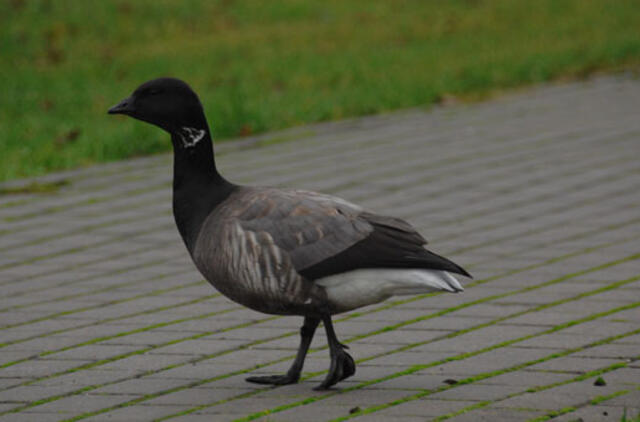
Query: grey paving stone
484,337
575,364
424,408
40,367
559,340
613,350
69,406
495,415
630,401
419,382
600,413
559,397
527,378
85,378
197,397
137,413
488,362
478,392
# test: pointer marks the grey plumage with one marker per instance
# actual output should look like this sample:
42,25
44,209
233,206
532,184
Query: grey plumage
254,244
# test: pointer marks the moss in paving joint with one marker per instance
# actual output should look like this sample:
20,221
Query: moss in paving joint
539,198
412,370
191,384
500,372
521,220
612,263
97,186
115,239
119,335
502,295
91,292
563,301
544,229
88,263
558,209
139,352
595,401
467,409
393,303
101,305
579,378
89,201
83,229
122,334
435,195
209,405
462,356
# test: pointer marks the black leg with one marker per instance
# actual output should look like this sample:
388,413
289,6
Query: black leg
293,374
342,365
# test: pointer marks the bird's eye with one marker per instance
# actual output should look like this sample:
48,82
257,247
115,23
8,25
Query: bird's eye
154,91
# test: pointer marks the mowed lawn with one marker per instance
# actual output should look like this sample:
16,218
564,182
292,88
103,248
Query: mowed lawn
263,65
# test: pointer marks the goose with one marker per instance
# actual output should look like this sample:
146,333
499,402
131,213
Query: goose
283,251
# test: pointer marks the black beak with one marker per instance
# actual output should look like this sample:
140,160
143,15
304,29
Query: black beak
123,107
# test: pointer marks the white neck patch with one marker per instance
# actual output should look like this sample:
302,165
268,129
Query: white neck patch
191,136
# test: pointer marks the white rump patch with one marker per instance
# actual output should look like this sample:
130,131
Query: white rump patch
191,136
358,288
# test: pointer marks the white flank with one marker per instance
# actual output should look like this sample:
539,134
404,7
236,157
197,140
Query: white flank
358,288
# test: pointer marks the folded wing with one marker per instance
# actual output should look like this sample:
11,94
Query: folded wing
324,235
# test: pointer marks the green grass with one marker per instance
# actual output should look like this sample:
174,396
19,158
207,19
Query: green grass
261,66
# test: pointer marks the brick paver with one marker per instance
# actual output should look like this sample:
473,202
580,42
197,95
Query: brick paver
103,317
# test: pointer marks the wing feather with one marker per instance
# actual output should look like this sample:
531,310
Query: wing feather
324,235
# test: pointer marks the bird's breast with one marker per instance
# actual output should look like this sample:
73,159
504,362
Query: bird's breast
248,268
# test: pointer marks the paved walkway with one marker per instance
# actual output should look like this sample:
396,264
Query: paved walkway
104,318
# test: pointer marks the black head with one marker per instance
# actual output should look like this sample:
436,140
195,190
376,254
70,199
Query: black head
168,103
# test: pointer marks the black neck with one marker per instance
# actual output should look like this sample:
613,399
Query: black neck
197,186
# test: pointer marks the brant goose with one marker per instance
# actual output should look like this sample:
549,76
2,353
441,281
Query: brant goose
283,251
